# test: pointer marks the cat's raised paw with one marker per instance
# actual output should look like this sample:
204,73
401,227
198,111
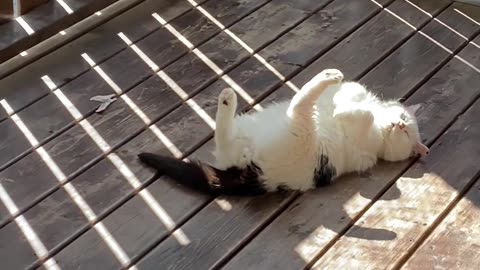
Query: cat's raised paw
227,97
331,75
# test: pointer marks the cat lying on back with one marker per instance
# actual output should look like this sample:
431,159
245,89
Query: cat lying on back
329,128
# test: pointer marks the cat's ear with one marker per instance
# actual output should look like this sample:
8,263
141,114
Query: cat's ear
412,109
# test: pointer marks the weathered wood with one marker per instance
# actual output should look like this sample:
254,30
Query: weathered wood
138,231
80,142
45,20
161,46
66,64
298,234
207,257
454,244
11,9
79,92
252,76
426,191
186,65
6,11
423,44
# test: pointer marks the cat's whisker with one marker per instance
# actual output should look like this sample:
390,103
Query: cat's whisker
171,83
227,79
122,168
76,197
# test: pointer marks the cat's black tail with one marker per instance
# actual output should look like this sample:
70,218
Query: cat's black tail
207,179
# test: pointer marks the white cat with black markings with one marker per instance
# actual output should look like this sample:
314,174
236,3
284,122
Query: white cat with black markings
329,128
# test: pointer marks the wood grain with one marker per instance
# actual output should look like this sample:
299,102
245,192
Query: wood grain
46,19
298,235
101,43
162,47
134,225
420,196
205,236
252,76
110,133
119,119
454,244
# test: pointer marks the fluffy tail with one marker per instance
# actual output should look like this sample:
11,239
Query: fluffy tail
207,179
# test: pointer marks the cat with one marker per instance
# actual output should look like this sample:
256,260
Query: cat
329,128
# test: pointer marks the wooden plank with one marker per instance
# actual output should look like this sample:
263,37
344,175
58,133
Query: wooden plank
69,34
298,235
422,194
214,227
218,49
454,244
10,9
203,251
252,76
44,21
101,43
424,44
161,46
79,140
79,92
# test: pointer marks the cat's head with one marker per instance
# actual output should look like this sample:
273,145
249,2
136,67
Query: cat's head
400,132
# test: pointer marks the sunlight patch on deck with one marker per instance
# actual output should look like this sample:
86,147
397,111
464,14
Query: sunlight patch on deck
32,238
205,60
246,47
237,39
123,168
39,249
69,188
439,44
170,82
65,6
28,29
466,16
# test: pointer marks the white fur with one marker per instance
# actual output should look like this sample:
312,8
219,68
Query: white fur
341,120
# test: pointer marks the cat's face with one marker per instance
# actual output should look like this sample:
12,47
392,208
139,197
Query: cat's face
400,131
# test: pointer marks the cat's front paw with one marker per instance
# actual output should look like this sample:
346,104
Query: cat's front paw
329,76
228,98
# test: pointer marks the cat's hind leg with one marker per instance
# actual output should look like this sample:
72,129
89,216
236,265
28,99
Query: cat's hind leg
226,108
302,106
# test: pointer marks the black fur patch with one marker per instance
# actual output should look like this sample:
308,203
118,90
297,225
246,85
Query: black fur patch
282,188
324,173
236,181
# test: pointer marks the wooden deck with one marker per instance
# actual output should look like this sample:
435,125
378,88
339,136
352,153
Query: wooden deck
74,196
